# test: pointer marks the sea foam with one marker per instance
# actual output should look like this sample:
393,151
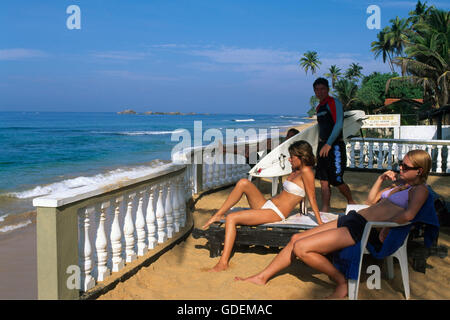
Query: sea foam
102,179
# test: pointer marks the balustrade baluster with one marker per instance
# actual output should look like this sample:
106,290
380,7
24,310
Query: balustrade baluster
151,220
140,226
160,216
101,244
168,210
380,155
182,201
176,205
389,164
216,174
439,159
210,175
361,155
116,238
448,160
128,230
352,154
88,281
370,166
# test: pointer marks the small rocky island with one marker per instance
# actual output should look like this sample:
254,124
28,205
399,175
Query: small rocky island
130,111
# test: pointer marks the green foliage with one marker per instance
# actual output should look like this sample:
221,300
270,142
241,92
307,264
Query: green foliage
372,93
346,93
313,101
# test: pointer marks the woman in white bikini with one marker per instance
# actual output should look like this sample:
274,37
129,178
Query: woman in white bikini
265,211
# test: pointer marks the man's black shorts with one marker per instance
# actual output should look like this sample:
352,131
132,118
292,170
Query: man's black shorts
331,168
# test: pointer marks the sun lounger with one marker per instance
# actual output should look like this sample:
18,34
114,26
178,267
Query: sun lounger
276,234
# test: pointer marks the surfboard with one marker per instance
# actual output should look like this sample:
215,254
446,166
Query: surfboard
276,162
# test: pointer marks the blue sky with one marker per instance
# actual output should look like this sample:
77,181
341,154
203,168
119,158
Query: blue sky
218,56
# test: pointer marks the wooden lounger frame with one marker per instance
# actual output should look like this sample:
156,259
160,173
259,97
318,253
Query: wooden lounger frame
269,235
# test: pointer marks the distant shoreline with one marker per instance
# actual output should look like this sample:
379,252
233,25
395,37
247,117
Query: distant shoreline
171,113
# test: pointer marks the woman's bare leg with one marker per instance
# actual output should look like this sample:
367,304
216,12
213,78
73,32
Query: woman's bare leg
255,199
246,217
284,258
311,250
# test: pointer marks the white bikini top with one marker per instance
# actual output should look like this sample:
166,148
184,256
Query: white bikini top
293,188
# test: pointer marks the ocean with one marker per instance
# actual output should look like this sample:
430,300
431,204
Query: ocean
47,152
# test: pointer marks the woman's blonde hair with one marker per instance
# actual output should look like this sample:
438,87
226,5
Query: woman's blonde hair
303,150
421,159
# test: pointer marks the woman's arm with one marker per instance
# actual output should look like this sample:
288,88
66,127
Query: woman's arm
375,193
417,197
308,182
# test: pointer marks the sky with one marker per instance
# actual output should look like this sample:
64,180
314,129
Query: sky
214,56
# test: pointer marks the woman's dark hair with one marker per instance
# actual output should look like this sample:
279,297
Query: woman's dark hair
321,81
303,150
291,132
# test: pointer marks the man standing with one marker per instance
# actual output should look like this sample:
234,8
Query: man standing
331,155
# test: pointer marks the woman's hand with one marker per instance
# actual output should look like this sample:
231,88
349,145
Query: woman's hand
391,175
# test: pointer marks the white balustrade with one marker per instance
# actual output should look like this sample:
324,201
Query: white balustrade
160,216
140,226
352,153
151,220
370,166
116,238
175,206
168,211
448,160
128,230
182,201
88,279
439,159
390,151
101,244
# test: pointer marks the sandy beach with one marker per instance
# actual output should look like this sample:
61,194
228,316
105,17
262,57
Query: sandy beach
180,273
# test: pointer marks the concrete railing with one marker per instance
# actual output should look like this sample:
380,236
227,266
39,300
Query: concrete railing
371,153
211,170
88,234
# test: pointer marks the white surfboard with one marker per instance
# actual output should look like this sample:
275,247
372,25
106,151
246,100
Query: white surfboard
276,162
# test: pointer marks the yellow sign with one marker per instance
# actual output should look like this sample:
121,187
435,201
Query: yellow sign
381,121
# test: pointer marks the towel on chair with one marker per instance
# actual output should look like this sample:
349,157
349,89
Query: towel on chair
347,260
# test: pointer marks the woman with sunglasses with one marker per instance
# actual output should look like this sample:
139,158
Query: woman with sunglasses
399,204
297,185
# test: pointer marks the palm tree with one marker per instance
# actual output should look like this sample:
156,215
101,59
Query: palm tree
397,36
346,92
310,61
419,13
428,57
354,72
382,46
333,74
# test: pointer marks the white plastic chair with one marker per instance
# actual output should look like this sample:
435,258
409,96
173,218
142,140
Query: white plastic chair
400,254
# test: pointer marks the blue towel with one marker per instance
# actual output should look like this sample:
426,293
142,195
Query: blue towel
347,259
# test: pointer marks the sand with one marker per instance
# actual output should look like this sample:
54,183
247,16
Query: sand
180,273
18,264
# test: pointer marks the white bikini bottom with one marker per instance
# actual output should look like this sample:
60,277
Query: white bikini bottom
270,205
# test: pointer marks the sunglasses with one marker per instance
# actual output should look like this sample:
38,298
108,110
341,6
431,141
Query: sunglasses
405,167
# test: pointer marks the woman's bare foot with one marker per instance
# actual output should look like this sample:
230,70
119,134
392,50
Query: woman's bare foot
256,279
219,267
340,292
211,220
